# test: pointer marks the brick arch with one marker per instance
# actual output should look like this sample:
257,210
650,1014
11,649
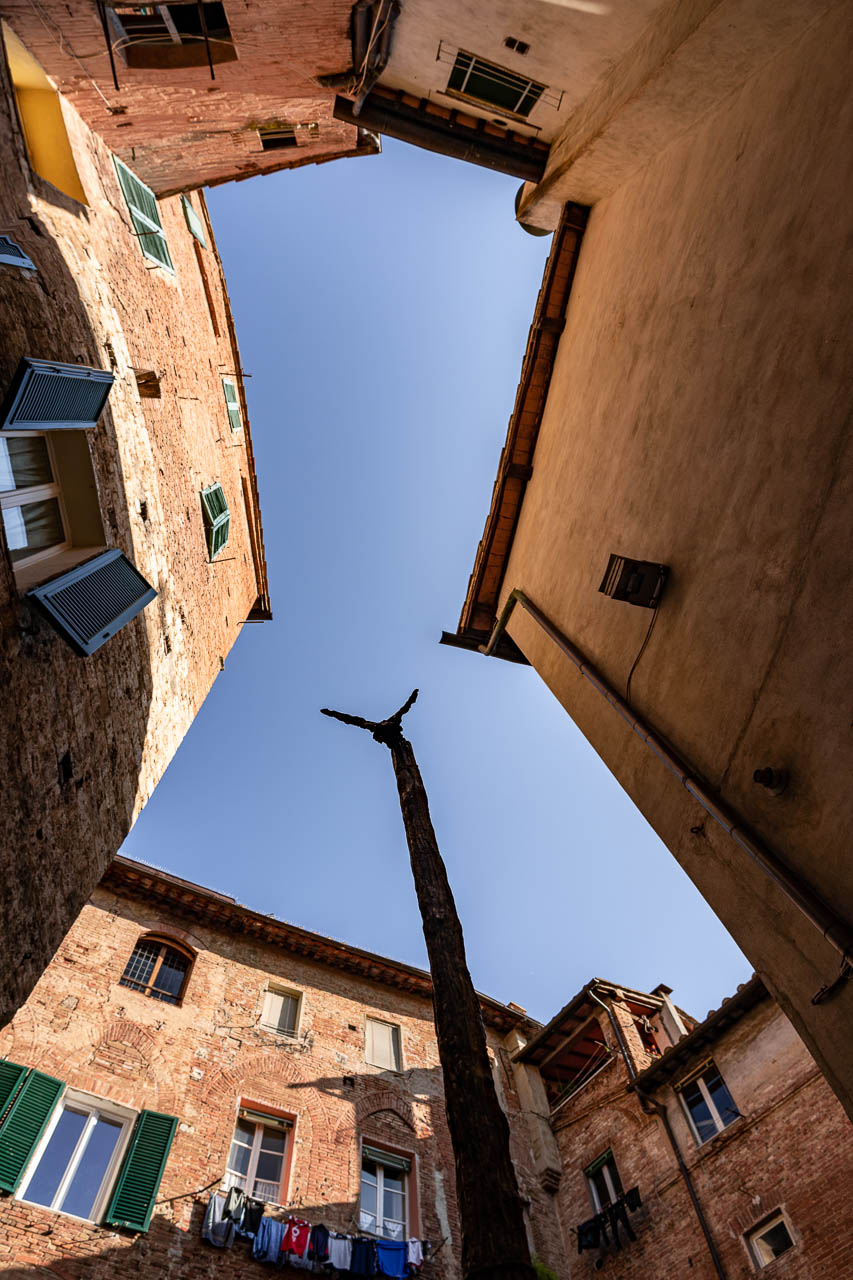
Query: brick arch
263,1069
145,1084
385,1101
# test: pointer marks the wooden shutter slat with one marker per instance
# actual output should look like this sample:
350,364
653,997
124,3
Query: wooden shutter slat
142,1169
91,603
11,1075
24,1125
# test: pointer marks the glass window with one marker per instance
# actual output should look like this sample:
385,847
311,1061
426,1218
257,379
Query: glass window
157,970
769,1240
605,1185
74,1170
256,1161
383,1196
382,1044
708,1103
29,497
281,1011
497,86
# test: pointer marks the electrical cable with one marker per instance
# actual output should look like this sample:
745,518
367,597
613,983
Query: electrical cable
652,622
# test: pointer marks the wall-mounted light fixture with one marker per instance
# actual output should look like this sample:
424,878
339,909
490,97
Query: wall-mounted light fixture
639,582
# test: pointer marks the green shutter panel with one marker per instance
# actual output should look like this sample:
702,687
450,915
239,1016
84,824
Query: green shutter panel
194,222
24,1125
233,403
145,215
217,519
139,1180
11,1075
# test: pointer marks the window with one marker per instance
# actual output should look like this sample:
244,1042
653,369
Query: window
769,1240
382,1044
257,1160
159,37
383,1208
217,519
281,1011
30,499
708,1103
194,221
145,216
232,403
473,77
157,969
605,1185
74,1168
275,139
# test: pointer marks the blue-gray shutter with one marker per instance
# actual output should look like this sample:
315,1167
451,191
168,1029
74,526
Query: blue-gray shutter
139,1180
89,604
47,396
13,255
24,1125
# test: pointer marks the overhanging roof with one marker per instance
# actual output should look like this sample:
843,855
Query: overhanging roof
194,902
573,1015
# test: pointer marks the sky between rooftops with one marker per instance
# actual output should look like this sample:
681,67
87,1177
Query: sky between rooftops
382,308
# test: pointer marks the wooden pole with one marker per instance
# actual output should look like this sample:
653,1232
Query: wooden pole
494,1240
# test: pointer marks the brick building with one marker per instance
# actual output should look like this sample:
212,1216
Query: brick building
263,1038
129,502
652,1109
179,122
679,452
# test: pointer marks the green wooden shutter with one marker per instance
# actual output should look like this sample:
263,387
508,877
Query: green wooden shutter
24,1125
194,222
145,216
139,1180
599,1163
233,403
217,519
11,1075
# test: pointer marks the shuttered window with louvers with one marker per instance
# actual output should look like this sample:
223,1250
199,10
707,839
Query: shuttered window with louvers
89,604
194,222
11,1075
139,1180
217,519
24,1125
13,255
145,216
47,396
233,403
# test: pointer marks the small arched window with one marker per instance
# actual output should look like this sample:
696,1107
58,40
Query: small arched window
158,967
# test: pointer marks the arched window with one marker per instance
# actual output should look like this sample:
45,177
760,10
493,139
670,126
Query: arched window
158,967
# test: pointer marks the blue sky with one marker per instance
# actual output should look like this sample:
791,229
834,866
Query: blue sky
382,308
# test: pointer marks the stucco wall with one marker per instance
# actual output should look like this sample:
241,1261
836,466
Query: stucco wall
698,416
197,1060
120,714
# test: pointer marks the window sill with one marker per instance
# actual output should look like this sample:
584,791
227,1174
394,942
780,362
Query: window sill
37,572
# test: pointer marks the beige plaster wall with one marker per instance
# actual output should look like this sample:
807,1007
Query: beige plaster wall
698,416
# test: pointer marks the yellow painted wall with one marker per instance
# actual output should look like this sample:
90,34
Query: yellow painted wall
41,118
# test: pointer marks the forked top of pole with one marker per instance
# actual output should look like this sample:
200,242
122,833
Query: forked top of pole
388,732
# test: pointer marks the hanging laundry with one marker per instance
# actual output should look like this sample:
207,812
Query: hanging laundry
252,1214
296,1236
363,1262
414,1255
318,1245
217,1229
340,1251
268,1238
234,1203
391,1257
589,1234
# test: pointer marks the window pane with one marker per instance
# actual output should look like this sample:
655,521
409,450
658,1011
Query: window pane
269,1167
367,1221
86,1183
383,1044
368,1192
24,462
720,1095
170,977
698,1108
238,1158
392,1230
287,1014
597,1180
393,1205
141,964
32,527
51,1168
773,1242
244,1132
273,1140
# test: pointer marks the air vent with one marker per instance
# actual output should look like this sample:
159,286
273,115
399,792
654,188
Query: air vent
13,254
89,604
45,396
639,582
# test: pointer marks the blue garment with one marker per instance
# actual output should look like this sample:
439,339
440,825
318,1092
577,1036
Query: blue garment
363,1262
392,1255
216,1229
267,1245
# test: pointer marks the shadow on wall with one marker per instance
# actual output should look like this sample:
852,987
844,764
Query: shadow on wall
73,728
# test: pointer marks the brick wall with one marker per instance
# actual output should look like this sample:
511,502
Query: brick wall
117,717
180,129
197,1060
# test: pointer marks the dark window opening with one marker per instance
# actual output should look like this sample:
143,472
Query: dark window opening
605,1185
275,139
157,970
171,35
473,77
518,46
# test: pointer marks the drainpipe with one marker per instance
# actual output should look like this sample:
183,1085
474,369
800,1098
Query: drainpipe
830,926
652,1107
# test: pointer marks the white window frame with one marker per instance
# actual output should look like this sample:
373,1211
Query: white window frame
399,1042
698,1078
380,1200
593,1189
274,989
73,1099
37,493
234,1179
755,1234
